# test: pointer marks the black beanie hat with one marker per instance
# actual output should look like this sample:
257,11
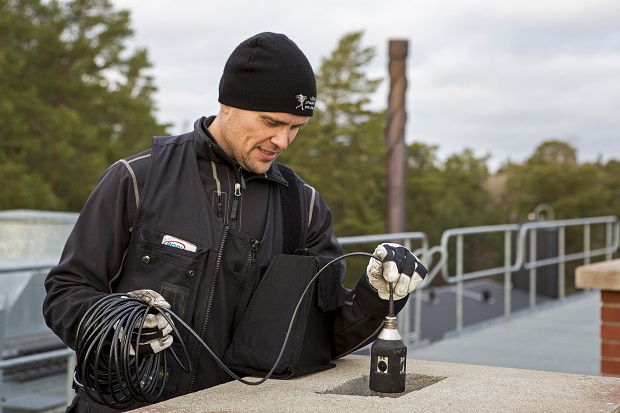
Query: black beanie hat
269,73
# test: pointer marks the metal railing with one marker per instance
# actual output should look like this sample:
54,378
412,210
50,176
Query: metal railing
46,356
526,255
30,358
27,234
519,251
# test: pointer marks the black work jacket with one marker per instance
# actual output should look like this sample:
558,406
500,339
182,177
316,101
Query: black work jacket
186,187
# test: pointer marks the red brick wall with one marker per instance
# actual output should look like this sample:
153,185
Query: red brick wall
610,333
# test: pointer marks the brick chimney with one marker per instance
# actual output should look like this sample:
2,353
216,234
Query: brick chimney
605,276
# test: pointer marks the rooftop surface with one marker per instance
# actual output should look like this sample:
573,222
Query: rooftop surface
563,336
444,387
545,360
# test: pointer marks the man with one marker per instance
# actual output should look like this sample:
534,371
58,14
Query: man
197,220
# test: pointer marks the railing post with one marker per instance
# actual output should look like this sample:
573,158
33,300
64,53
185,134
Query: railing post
71,360
2,387
561,264
532,272
405,315
417,321
609,239
459,285
507,273
586,243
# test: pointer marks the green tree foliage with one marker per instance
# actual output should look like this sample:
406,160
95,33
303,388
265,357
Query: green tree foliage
608,182
424,188
450,195
553,176
72,100
341,151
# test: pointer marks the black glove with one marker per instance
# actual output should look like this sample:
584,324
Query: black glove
399,266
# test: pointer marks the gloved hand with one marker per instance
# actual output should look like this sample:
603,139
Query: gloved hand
399,266
155,335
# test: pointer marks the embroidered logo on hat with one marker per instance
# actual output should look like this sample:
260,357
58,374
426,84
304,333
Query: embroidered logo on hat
305,103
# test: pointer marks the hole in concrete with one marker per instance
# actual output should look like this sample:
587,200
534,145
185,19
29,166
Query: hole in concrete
359,386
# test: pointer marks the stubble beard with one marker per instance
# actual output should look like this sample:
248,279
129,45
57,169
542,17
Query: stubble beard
254,166
239,153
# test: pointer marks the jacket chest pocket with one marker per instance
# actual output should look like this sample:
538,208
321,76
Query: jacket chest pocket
172,271
175,266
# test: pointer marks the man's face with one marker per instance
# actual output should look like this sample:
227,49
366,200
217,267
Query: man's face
255,139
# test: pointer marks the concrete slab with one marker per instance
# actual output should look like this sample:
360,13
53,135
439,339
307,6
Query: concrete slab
465,388
602,276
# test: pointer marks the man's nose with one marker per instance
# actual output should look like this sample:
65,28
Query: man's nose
282,138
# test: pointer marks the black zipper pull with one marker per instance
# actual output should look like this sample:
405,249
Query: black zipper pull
253,249
220,207
233,211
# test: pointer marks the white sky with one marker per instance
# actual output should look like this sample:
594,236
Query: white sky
498,77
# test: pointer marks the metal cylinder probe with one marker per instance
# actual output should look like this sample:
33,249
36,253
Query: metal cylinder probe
388,357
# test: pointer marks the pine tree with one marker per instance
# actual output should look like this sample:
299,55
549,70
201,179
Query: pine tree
73,99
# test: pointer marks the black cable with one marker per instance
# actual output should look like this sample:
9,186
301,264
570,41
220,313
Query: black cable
105,367
111,375
288,331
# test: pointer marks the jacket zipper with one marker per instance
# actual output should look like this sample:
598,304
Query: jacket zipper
239,185
247,271
203,332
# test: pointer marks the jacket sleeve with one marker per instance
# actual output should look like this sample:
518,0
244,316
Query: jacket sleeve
359,321
93,254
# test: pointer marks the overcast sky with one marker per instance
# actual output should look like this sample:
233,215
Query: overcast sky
498,77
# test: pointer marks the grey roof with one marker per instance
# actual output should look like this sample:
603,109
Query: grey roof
483,301
563,336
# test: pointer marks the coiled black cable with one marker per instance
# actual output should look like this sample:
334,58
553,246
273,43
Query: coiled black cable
106,368
108,371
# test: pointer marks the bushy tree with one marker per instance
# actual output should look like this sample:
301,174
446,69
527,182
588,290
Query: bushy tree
609,195
553,176
451,194
73,99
